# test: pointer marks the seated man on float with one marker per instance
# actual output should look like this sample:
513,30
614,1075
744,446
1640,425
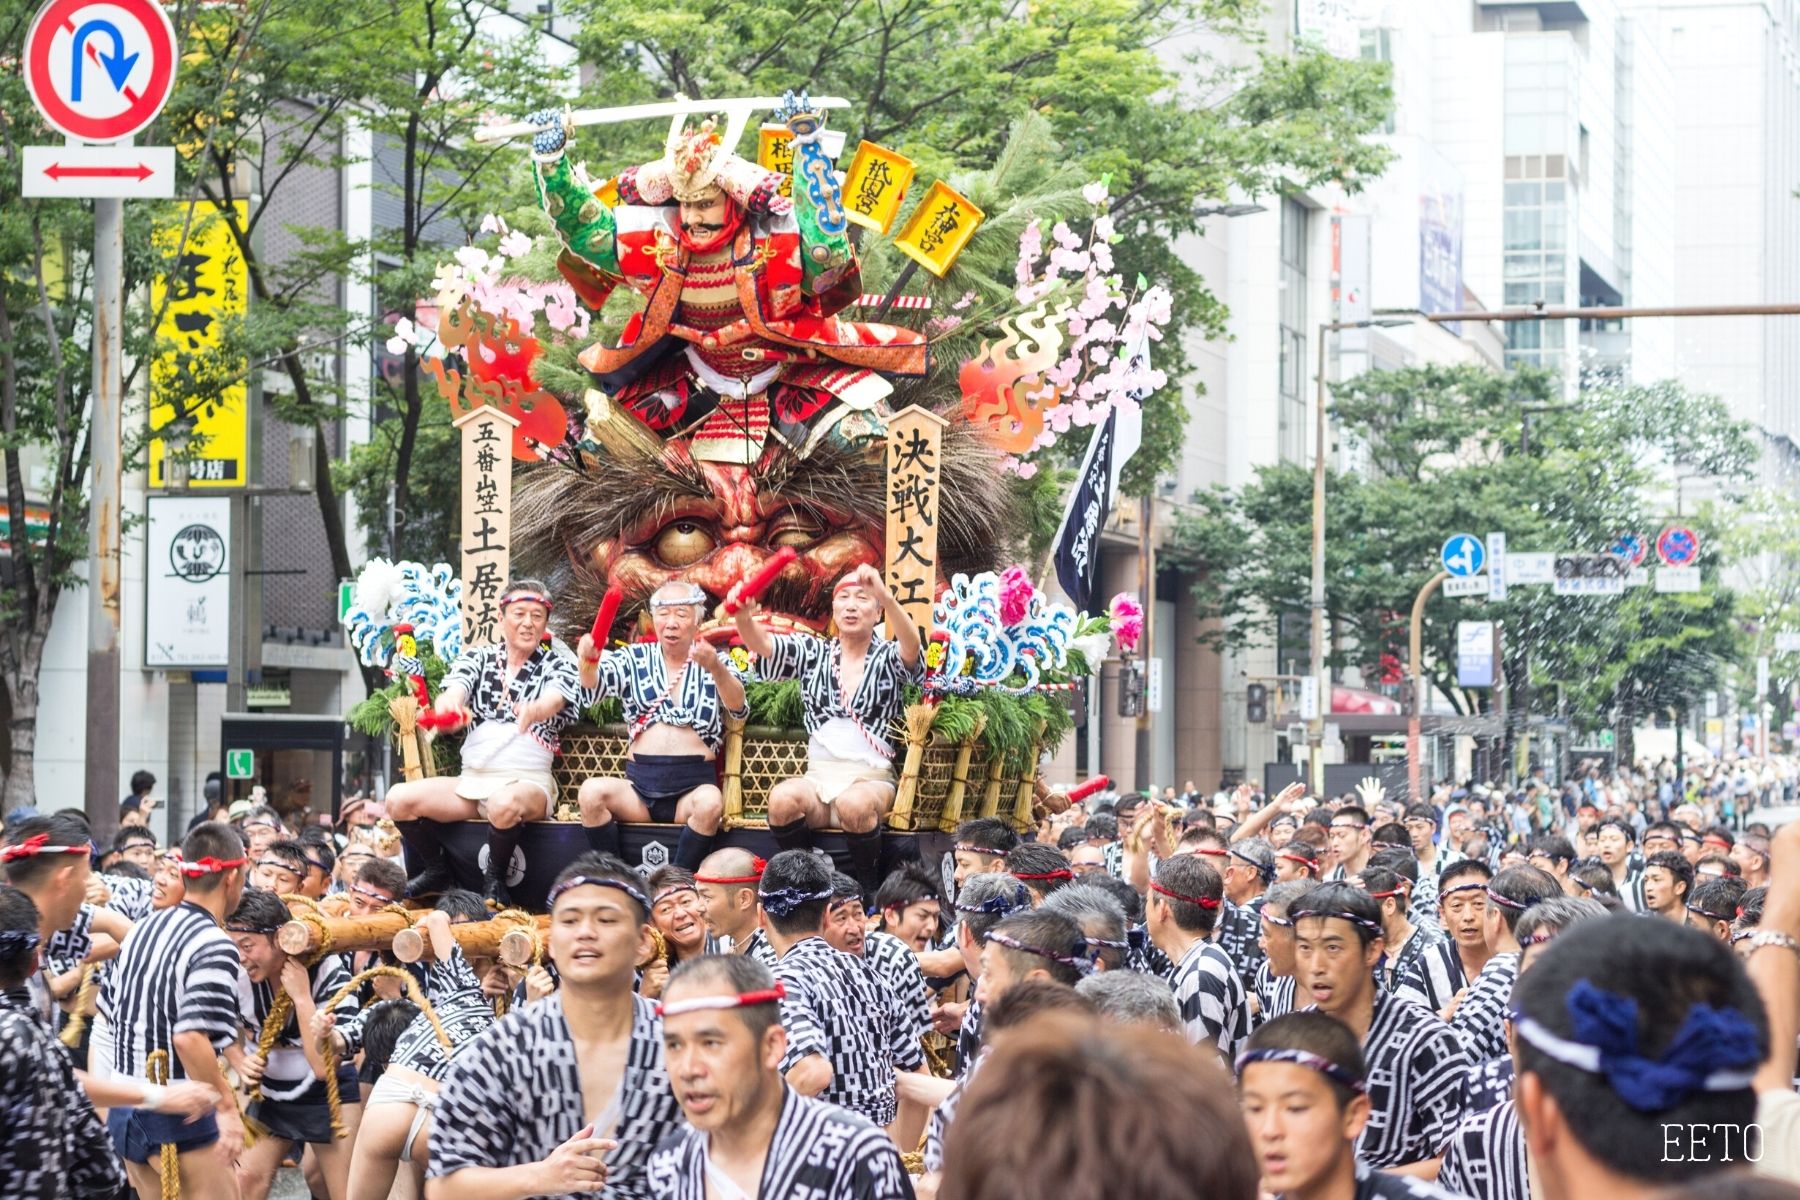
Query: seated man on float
675,691
853,690
516,695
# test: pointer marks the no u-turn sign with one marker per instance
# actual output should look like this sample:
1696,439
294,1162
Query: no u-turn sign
100,70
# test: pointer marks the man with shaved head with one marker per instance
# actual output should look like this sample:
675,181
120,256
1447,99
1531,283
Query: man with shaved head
728,880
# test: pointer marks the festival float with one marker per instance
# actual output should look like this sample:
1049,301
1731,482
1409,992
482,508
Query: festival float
637,406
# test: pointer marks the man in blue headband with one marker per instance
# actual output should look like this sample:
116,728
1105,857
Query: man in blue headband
1303,1086
1630,1036
567,1096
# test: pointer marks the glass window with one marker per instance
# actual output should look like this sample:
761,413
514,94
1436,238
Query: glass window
1519,194
1524,228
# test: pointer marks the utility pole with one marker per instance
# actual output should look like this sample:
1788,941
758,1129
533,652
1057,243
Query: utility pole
1146,588
1415,679
1315,726
101,779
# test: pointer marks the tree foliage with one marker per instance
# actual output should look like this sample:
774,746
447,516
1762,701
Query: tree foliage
1443,447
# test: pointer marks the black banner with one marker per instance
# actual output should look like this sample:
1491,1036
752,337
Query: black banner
1078,542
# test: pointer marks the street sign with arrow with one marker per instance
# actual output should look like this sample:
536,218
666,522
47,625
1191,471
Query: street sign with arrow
82,172
99,72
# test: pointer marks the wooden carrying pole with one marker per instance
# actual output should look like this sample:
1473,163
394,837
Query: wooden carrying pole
513,938
311,934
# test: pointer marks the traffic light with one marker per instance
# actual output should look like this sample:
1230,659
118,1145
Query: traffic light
1256,703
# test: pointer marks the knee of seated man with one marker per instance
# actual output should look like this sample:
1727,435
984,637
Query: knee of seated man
707,803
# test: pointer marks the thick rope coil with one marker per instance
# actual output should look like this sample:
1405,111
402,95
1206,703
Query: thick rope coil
84,995
528,923
328,1047
156,1068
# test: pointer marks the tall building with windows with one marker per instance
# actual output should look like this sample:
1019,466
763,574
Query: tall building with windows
1535,153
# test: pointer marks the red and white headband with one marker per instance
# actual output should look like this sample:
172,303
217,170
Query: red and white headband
211,866
757,866
36,844
704,1003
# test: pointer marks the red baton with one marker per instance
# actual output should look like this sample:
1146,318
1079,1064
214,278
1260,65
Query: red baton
603,620
440,721
759,582
1097,784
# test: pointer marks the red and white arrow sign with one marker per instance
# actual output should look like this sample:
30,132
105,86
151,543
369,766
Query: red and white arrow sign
82,172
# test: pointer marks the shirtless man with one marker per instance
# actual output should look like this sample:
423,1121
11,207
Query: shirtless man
676,692
853,691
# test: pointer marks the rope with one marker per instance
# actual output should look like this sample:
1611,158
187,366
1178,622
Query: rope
328,1047
84,995
279,1011
156,1067
528,923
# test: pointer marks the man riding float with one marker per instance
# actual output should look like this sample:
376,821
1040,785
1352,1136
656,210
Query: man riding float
519,694
673,691
852,688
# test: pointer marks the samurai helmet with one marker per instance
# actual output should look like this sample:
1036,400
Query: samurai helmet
694,160
696,166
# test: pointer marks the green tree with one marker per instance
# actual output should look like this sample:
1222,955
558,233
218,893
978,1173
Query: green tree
1444,454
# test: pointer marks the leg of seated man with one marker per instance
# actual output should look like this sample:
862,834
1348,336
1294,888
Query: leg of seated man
417,806
701,812
507,810
602,800
795,810
860,809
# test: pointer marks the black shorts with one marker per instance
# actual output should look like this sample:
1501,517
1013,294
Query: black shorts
139,1136
661,780
307,1119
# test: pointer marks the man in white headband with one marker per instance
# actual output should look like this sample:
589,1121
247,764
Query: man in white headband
515,696
676,692
853,690
750,1134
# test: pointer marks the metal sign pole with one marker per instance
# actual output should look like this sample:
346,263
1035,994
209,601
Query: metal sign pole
102,753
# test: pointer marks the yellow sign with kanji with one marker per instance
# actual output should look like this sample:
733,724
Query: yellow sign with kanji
204,284
914,472
775,150
875,185
939,228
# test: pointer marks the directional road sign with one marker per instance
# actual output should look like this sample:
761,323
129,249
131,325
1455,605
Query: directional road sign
87,172
1678,546
100,71
1463,555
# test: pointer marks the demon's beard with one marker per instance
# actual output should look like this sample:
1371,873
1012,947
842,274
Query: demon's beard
567,523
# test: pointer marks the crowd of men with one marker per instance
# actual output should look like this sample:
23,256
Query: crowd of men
1414,1000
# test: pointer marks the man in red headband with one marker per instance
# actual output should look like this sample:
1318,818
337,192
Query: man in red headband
853,690
749,1133
1180,910
516,696
173,997
47,858
728,880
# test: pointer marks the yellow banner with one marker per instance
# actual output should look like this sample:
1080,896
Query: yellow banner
775,150
205,286
939,228
875,185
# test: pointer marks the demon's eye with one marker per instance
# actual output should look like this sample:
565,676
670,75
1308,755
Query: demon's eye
797,529
683,542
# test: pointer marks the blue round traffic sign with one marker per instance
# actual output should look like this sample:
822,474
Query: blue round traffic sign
1463,555
1678,546
1631,547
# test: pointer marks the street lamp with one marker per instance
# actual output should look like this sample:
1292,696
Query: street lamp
1315,732
176,434
1227,210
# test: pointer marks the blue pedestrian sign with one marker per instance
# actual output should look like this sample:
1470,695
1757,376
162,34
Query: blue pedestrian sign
1463,555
